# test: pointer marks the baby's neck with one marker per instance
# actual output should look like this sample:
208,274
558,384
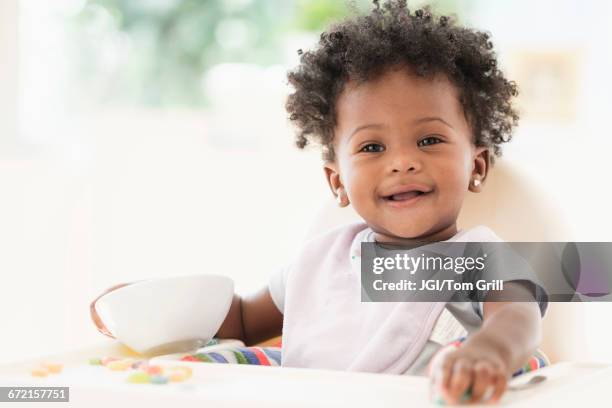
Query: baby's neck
436,236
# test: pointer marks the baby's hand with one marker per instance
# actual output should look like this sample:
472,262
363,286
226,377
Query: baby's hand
471,373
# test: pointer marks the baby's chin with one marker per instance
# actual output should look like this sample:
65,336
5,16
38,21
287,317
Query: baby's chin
398,233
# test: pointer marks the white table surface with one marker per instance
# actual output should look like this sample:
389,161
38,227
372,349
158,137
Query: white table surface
224,385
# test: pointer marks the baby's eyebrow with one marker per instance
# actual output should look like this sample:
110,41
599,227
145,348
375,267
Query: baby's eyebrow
370,125
416,122
432,118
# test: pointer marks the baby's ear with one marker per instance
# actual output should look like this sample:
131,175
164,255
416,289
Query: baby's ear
333,178
335,184
480,169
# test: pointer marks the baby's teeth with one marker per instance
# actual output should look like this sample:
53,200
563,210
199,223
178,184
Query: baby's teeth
404,196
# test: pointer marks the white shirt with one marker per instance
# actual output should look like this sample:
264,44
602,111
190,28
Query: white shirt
344,319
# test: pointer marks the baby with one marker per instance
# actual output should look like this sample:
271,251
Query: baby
410,110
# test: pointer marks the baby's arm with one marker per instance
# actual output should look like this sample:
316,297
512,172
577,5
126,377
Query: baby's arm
252,319
510,333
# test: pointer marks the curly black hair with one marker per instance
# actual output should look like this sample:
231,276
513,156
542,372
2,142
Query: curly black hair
364,46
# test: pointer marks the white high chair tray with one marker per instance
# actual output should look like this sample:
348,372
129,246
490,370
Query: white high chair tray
224,385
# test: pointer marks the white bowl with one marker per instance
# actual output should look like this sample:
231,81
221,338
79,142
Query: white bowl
167,315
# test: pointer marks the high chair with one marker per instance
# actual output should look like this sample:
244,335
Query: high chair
515,210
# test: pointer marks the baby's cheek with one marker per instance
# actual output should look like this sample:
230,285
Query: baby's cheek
364,206
454,177
452,191
361,190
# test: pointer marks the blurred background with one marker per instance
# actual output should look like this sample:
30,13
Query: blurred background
148,138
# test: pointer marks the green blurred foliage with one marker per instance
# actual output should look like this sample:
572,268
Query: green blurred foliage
172,46
173,42
315,15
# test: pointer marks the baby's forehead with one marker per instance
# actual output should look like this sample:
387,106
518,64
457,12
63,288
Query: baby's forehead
401,79
398,94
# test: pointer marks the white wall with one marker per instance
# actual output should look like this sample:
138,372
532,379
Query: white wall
8,73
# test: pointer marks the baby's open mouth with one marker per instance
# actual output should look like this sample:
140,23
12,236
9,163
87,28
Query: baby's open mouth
406,193
404,196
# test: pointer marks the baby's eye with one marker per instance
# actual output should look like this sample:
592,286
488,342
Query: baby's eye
429,141
372,148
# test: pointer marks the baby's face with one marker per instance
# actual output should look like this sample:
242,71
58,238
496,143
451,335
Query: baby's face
404,155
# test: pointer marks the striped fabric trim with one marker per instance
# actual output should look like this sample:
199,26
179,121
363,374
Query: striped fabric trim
249,356
274,353
218,357
261,356
271,356
266,356
538,360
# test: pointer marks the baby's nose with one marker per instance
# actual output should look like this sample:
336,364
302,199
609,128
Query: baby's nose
403,162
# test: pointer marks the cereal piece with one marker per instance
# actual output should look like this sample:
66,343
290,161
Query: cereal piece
159,379
180,373
129,362
107,360
53,368
140,364
95,361
139,378
154,370
119,365
39,372
177,376
187,370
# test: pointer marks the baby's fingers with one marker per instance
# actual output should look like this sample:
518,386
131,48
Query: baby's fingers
501,383
484,383
459,381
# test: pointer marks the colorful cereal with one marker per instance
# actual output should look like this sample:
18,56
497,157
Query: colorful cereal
177,376
179,373
107,360
119,365
139,365
159,379
154,370
39,372
142,372
53,368
139,378
95,361
187,370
